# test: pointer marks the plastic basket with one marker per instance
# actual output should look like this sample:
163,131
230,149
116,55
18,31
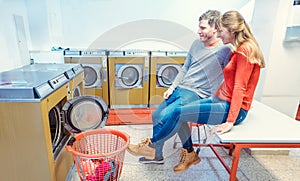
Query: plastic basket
99,154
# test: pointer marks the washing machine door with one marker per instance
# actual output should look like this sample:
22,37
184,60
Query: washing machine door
130,76
84,113
166,74
76,91
55,125
92,75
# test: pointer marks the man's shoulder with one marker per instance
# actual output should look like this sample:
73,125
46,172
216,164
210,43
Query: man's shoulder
197,41
197,45
227,47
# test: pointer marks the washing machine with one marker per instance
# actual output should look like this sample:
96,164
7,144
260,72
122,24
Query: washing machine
128,79
94,63
164,67
46,119
76,84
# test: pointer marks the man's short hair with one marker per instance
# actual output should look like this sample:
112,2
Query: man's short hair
212,16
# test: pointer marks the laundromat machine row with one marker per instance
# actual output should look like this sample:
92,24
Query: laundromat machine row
131,82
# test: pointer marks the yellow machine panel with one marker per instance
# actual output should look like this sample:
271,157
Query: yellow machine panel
164,66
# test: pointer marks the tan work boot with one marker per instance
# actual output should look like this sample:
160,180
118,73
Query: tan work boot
186,160
142,149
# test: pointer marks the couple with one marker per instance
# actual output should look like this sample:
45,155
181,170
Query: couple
199,94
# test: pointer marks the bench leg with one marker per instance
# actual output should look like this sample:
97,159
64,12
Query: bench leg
231,149
235,162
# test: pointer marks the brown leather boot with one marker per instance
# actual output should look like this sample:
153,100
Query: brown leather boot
142,149
186,160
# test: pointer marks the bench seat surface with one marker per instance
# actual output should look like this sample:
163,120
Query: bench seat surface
264,125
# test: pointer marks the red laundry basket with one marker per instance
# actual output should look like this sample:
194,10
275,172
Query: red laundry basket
99,154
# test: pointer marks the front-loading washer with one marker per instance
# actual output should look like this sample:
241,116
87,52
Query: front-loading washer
76,83
95,71
128,79
164,67
47,116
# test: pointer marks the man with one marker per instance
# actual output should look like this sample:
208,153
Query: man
199,77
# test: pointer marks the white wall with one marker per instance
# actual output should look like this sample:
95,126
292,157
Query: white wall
38,24
9,51
79,23
281,78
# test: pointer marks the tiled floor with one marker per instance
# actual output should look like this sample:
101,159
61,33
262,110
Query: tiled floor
251,167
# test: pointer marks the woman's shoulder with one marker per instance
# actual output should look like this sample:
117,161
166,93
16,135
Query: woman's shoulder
244,49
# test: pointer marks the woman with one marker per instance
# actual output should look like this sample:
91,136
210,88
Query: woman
231,102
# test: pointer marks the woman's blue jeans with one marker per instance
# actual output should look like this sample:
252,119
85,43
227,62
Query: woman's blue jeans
179,98
210,111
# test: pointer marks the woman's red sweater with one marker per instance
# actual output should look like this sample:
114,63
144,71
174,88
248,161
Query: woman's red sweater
240,80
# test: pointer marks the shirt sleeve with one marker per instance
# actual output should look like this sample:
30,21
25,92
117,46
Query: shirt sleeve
242,75
227,51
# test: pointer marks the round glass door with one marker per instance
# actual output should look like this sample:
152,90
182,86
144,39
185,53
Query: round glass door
85,113
130,76
90,76
167,74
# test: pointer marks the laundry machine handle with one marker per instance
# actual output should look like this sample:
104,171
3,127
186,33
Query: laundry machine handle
104,75
146,75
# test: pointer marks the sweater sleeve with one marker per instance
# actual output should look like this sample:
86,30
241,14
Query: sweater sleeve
242,75
226,52
181,72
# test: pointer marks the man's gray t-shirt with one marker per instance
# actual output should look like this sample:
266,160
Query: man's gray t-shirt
202,69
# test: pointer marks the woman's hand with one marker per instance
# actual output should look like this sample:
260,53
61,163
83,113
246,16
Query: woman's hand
221,128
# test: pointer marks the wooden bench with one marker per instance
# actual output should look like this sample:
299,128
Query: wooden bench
264,127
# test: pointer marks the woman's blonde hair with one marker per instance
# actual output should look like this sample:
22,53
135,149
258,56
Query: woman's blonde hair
233,21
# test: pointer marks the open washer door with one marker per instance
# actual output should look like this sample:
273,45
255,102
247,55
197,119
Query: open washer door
84,113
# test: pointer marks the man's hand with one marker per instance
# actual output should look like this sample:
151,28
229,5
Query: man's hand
221,128
168,93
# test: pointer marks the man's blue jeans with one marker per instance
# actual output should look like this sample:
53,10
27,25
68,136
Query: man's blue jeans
210,111
180,97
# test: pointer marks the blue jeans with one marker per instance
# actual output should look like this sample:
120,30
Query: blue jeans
210,111
179,98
